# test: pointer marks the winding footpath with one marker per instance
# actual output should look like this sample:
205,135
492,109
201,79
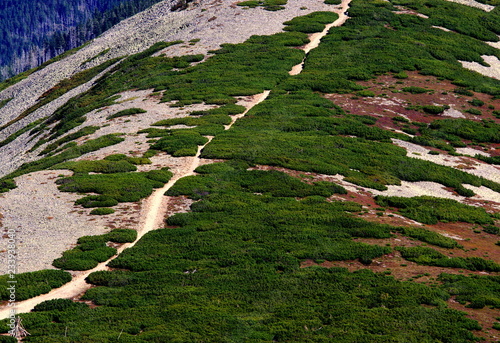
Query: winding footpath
158,201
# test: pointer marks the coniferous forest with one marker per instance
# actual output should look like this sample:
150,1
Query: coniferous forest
32,32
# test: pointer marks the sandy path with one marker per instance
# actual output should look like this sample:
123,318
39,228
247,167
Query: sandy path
154,206
156,203
315,38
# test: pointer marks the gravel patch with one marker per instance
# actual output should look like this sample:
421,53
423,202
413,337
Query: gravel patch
472,3
492,71
415,189
495,44
471,152
466,164
484,193
452,112
47,222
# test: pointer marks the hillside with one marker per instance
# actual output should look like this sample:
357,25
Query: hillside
32,32
260,172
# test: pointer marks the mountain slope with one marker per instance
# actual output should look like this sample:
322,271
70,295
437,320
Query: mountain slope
274,237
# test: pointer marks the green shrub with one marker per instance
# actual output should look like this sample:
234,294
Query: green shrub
494,230
127,112
400,119
132,160
59,305
31,284
428,236
102,211
453,129
74,152
414,90
86,255
123,187
236,178
87,130
96,201
365,93
122,235
432,109
269,5
474,111
430,210
476,102
478,290
313,22
431,257
99,166
401,75
180,143
463,91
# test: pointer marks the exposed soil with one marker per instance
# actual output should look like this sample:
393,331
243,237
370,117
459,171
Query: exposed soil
390,101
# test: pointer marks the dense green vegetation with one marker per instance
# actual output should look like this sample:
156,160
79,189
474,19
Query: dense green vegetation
430,210
476,131
476,291
7,182
230,270
120,186
102,211
96,201
180,143
20,132
479,24
93,249
302,131
99,166
229,178
224,76
269,5
428,236
375,41
231,273
225,306
314,22
31,284
431,257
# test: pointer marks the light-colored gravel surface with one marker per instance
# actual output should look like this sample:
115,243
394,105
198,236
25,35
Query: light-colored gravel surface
495,44
466,164
471,152
492,71
47,222
475,4
452,112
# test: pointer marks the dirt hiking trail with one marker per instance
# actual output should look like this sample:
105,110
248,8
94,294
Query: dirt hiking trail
315,38
154,208
156,203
